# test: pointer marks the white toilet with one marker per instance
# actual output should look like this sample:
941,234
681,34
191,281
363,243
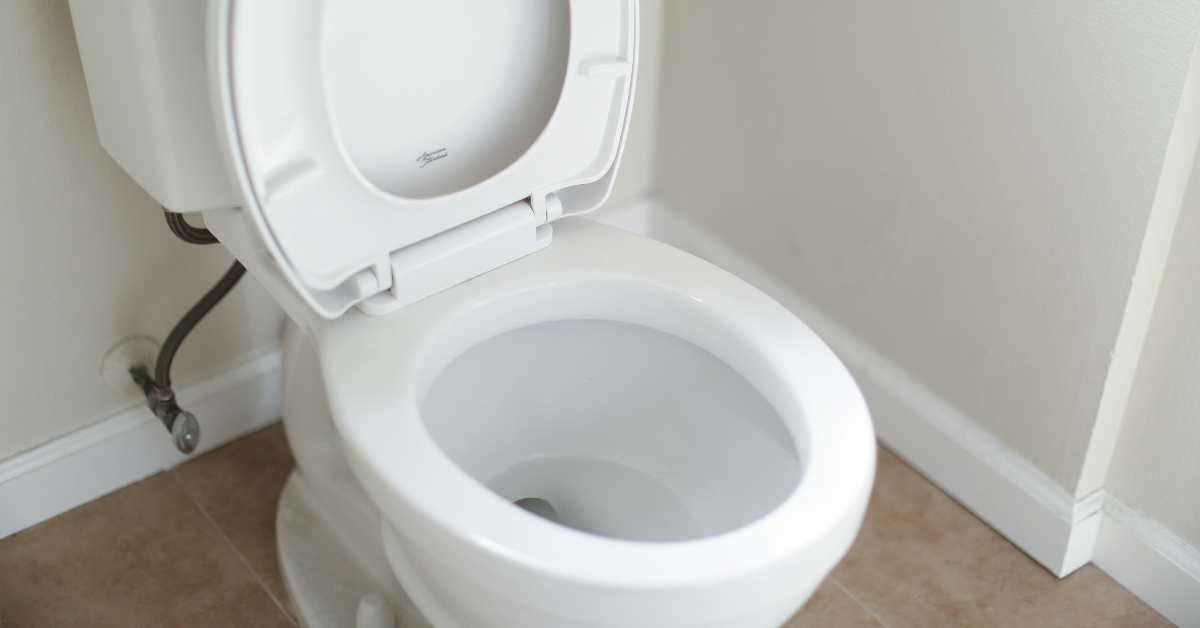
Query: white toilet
502,415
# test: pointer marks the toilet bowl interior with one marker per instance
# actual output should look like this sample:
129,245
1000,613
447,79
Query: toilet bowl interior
614,429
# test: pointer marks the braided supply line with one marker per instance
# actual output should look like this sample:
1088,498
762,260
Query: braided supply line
184,428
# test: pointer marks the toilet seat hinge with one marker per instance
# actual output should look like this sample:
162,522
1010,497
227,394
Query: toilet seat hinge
454,256
546,207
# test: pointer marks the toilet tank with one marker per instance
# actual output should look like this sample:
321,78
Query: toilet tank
145,66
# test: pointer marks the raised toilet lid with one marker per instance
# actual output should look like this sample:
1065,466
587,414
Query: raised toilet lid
358,129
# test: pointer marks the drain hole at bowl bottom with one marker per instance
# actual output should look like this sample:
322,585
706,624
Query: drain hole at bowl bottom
597,497
539,507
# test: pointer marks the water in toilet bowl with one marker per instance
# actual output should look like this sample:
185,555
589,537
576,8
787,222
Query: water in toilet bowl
598,497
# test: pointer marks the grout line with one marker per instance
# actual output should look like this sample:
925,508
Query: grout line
238,553
869,610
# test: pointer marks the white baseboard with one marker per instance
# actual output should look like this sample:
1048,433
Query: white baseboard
993,481
132,444
1151,561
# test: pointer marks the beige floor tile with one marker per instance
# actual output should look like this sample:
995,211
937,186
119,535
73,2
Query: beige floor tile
147,556
923,560
830,607
238,486
142,556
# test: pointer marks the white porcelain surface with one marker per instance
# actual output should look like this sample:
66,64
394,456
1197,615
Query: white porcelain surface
776,406
626,431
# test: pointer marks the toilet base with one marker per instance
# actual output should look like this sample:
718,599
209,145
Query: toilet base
329,566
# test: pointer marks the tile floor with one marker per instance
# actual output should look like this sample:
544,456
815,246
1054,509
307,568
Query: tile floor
195,547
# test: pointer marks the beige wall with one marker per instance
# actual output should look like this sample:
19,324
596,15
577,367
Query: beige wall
87,257
1156,467
965,186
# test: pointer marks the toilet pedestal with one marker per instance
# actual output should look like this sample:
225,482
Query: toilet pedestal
329,566
327,530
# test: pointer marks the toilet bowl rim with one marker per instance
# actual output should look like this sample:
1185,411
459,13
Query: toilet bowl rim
416,483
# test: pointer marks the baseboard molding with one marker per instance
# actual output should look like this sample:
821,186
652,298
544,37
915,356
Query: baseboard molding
131,444
993,481
1151,561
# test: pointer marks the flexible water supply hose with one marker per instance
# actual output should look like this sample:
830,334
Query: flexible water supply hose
184,428
186,232
162,366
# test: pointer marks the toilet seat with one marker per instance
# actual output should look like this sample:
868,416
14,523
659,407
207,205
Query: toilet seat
279,72
377,369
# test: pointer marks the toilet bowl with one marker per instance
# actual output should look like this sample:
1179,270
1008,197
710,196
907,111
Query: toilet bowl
706,458
503,415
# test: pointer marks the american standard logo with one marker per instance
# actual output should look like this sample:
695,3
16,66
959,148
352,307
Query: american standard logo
427,158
